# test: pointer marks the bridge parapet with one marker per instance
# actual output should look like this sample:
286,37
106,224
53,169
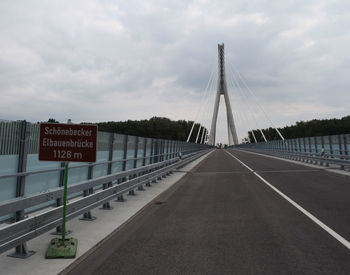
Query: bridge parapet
323,150
27,186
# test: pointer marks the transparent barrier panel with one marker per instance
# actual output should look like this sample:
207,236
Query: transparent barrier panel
102,155
118,151
335,145
8,164
34,164
346,139
78,174
311,142
8,188
326,145
318,144
301,145
8,191
130,152
154,151
148,151
140,152
42,181
100,170
37,183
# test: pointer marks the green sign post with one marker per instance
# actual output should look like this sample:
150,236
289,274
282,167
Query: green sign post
66,143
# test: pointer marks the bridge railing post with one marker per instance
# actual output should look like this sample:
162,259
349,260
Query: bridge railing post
136,151
345,139
145,141
162,148
316,146
151,160
107,206
340,149
125,156
330,146
323,147
21,251
87,216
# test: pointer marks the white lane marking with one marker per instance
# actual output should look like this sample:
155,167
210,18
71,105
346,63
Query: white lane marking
330,231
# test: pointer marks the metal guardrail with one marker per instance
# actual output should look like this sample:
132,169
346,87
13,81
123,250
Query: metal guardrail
340,161
17,233
323,150
23,175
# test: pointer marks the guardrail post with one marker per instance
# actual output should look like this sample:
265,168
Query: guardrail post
330,146
172,149
314,139
136,151
132,192
161,154
145,140
167,149
340,146
164,142
21,251
295,148
107,205
87,216
154,156
345,145
316,145
340,151
125,154
156,151
162,147
151,153
322,147
166,152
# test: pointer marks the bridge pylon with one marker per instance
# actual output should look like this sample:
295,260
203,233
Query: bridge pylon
222,90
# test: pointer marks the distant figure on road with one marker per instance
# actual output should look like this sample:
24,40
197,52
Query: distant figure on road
322,152
180,155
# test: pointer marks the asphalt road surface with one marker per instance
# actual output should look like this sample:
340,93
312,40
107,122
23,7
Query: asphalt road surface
221,218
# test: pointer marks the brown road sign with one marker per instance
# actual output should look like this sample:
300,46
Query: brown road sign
67,142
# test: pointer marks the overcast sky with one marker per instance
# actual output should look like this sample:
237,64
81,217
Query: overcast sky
109,60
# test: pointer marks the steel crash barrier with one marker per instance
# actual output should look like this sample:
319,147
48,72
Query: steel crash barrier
34,204
31,227
323,150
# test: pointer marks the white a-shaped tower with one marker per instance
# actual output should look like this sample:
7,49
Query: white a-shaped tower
222,90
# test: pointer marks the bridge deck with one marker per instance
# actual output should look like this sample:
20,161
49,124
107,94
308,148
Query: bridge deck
222,219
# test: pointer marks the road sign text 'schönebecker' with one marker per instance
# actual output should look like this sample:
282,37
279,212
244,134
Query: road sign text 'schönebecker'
68,142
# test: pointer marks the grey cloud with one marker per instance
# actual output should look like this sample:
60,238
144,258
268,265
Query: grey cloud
107,60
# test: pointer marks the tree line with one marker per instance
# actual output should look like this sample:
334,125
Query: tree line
156,127
315,127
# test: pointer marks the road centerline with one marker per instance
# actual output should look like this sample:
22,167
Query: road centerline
330,231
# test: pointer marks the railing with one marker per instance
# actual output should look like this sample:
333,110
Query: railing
27,185
322,150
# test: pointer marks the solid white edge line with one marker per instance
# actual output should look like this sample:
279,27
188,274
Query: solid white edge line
330,231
